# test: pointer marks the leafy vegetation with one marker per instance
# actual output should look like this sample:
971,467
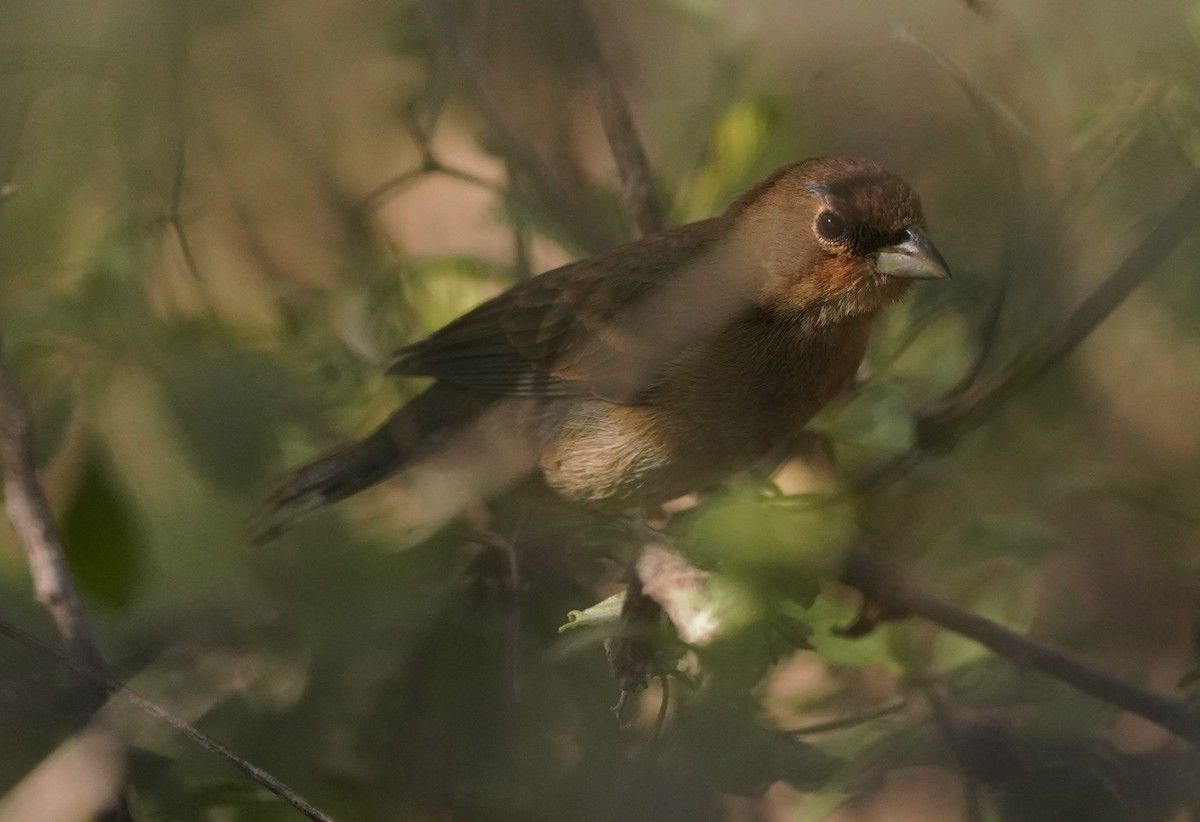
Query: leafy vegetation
219,219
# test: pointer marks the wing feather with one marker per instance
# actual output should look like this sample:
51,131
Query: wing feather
604,326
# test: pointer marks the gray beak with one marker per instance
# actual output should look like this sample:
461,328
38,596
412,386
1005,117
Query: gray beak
913,259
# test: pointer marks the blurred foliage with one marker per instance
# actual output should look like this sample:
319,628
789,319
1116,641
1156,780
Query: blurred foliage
217,220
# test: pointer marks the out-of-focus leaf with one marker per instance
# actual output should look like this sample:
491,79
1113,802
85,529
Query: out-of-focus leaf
818,805
448,287
877,418
225,406
737,142
1179,110
803,764
826,616
924,351
103,539
1018,537
53,420
793,542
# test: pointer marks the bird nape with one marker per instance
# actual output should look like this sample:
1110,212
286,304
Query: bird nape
658,368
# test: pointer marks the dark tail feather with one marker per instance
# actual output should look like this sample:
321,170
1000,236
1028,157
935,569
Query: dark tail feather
409,434
333,477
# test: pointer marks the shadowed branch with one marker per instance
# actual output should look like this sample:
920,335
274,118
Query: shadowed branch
453,32
941,424
111,686
31,518
637,183
890,589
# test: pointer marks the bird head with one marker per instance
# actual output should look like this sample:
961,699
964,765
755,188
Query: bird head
841,235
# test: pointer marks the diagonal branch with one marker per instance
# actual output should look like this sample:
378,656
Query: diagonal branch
31,518
177,72
99,678
940,425
637,183
886,586
453,32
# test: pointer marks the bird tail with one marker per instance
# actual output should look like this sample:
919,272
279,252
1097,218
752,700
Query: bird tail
409,435
333,477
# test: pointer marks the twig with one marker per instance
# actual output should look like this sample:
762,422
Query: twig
113,687
452,31
522,264
637,184
1007,135
30,515
467,177
883,582
177,69
31,518
970,403
376,196
843,723
951,732
942,424
660,720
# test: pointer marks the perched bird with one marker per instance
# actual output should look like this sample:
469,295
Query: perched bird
652,370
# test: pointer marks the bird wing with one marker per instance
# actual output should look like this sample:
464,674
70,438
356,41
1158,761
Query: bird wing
603,326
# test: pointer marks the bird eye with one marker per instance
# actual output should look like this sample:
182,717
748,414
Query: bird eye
830,226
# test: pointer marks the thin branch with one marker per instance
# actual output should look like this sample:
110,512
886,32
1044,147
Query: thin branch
660,720
522,264
942,424
376,196
31,518
177,70
944,717
967,406
453,32
883,582
1006,133
468,177
113,687
637,183
843,723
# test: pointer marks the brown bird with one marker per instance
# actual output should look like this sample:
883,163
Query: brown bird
655,369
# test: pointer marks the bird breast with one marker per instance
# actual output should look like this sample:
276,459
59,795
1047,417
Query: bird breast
716,409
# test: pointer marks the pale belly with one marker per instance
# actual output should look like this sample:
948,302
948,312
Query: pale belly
714,413
632,456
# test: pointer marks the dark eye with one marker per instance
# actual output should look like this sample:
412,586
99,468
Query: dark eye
830,226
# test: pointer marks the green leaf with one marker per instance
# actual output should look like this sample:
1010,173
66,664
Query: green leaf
225,406
795,541
819,805
604,614
877,418
737,141
826,616
103,539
